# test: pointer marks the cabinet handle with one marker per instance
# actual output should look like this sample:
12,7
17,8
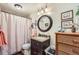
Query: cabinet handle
75,42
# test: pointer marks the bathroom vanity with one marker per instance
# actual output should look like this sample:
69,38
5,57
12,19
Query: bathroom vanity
39,44
67,43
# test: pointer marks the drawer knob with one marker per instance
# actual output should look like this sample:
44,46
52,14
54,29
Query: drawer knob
75,42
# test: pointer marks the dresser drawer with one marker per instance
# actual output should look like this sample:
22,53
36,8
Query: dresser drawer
72,40
65,48
65,39
62,53
75,50
67,43
75,41
68,49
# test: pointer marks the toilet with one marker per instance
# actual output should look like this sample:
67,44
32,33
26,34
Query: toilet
26,49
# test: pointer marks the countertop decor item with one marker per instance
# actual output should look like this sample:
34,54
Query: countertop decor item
61,30
45,23
73,28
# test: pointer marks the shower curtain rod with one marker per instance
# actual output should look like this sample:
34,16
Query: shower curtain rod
11,13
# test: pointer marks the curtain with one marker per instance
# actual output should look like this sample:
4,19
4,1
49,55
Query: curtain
16,30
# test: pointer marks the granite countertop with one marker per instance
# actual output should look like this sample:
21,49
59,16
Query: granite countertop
41,39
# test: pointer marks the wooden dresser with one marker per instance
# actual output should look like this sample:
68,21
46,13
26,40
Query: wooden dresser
67,43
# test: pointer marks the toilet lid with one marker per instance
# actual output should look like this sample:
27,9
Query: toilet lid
26,46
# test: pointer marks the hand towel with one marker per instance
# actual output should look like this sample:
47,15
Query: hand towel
2,39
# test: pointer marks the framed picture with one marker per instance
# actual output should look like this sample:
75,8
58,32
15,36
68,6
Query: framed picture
67,15
67,24
67,19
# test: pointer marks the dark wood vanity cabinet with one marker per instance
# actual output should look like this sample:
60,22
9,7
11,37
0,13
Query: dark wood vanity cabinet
37,47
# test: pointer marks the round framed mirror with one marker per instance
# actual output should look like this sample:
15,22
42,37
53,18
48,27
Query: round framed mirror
45,23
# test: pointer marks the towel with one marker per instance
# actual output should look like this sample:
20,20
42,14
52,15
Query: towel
2,39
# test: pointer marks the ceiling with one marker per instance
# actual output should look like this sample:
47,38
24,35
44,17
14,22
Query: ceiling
26,11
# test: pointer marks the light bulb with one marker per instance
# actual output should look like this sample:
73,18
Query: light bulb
46,9
38,13
42,11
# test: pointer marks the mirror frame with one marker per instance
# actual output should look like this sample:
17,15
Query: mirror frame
51,23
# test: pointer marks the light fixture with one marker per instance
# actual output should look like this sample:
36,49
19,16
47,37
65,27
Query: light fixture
18,6
43,10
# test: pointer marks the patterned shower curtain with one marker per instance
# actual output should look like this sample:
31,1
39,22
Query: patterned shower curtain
17,31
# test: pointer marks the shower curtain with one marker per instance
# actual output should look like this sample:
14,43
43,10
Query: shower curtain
17,32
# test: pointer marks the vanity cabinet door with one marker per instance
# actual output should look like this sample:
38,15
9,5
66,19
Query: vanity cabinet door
36,44
37,48
46,44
